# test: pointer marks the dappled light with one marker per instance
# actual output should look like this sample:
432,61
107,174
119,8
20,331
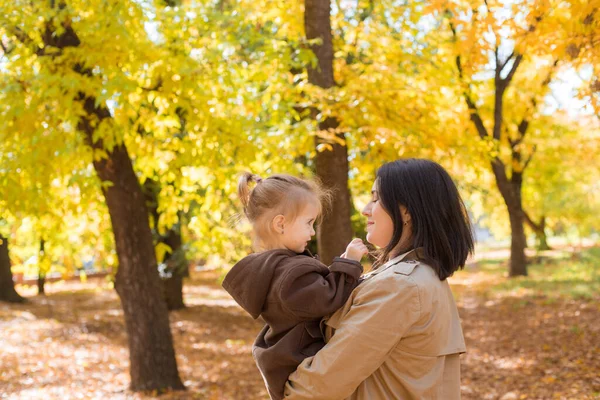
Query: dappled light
539,343
125,126
73,343
531,337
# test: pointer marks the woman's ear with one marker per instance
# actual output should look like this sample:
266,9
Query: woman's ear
278,224
406,218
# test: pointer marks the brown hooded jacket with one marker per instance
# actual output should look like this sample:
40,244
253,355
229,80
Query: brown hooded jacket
291,292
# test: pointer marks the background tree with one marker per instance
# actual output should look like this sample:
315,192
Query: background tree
560,188
331,160
7,287
69,78
495,73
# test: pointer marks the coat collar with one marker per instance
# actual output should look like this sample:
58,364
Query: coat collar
410,255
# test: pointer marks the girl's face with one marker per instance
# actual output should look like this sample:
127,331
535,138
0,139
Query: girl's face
380,227
296,234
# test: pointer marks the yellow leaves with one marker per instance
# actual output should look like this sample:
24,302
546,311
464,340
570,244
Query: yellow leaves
100,154
161,249
196,94
321,147
106,184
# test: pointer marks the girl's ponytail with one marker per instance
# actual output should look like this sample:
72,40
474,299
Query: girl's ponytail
244,188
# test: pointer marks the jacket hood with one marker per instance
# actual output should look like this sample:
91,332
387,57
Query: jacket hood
249,280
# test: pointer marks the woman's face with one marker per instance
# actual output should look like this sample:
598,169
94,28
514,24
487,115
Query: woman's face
380,226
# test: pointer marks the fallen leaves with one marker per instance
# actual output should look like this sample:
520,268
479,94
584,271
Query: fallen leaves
72,344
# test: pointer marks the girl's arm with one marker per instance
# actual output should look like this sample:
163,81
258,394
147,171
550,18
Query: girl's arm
382,312
313,291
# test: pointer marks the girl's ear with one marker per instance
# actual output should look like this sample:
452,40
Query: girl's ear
278,224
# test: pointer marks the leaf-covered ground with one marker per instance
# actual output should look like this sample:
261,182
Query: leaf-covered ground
530,338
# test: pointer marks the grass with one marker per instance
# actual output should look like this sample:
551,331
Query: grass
552,276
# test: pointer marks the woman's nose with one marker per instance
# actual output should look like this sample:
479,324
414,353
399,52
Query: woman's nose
366,211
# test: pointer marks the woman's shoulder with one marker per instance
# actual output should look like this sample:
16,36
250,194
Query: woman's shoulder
388,279
406,282
407,273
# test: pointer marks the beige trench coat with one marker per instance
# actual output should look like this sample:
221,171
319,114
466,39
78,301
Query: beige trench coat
397,337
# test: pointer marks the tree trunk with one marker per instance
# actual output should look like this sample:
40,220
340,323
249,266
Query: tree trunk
542,240
151,353
511,193
41,281
176,263
7,286
518,243
178,269
335,231
540,232
173,290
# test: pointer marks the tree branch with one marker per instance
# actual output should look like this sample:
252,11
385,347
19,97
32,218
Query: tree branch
158,85
524,124
530,222
513,69
530,157
497,58
510,57
499,170
474,112
475,117
26,40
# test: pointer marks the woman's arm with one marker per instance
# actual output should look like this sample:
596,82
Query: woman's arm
381,314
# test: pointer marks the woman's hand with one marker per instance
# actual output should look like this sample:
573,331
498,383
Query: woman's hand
355,250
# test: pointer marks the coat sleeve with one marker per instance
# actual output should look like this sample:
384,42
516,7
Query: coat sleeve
310,292
381,314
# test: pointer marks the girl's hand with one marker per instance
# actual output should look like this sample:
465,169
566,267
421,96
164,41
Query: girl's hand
356,250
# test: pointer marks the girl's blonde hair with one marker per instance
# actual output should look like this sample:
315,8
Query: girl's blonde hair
278,194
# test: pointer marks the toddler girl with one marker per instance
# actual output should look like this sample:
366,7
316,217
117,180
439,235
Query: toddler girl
283,283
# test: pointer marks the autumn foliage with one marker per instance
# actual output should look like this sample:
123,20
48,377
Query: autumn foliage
125,124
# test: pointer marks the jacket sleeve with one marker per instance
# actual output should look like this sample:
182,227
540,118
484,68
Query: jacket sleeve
310,292
380,315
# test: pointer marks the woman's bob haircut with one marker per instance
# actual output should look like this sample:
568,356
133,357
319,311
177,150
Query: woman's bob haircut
440,224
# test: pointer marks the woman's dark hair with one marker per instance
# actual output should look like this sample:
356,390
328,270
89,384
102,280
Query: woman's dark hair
440,223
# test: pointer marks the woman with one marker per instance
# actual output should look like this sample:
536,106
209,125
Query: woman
398,336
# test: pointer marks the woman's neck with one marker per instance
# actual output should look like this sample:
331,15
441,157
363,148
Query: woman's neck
399,250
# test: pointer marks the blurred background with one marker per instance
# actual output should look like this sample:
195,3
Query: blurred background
125,125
